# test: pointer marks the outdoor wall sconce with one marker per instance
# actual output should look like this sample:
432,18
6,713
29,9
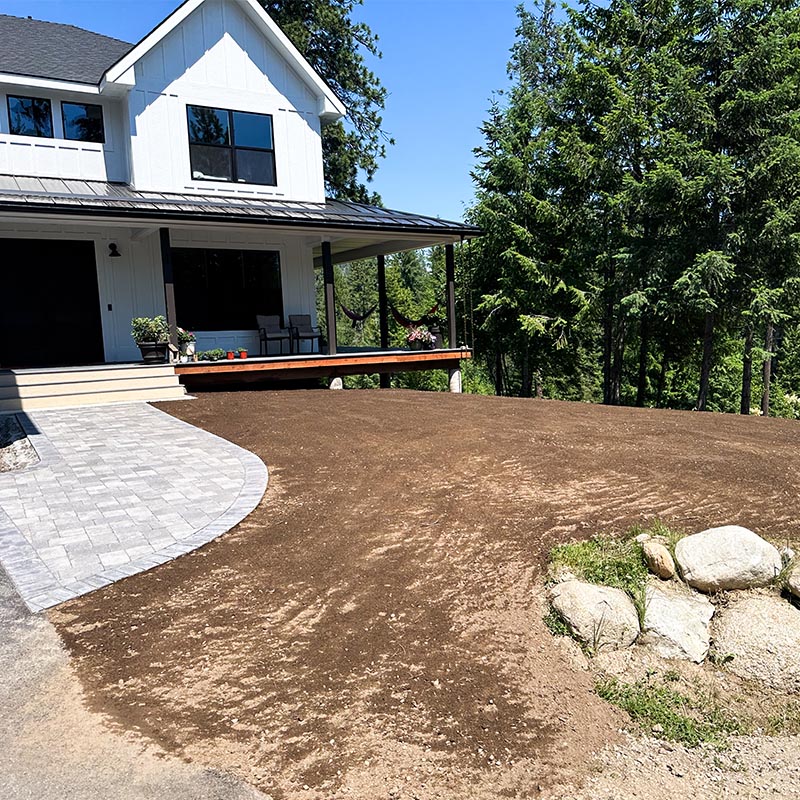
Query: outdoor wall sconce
113,251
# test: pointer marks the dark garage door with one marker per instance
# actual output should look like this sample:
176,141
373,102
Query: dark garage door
49,304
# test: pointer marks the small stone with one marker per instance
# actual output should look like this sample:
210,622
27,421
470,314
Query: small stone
659,559
602,617
730,557
787,554
642,538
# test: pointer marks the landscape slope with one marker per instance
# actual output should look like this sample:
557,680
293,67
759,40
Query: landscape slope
374,629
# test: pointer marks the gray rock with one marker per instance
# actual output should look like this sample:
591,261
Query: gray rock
659,559
793,581
762,634
601,617
676,622
787,554
730,557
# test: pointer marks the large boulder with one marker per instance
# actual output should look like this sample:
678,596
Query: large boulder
761,635
659,559
730,557
601,617
676,622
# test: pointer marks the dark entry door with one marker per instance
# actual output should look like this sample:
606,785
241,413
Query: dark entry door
49,304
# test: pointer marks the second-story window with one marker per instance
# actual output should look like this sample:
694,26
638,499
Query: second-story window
30,116
83,122
235,146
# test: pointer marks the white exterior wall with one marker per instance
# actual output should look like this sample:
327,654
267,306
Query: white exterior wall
217,58
133,285
60,157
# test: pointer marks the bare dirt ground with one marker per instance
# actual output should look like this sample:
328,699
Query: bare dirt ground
373,629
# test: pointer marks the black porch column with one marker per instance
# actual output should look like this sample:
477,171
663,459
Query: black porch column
383,316
169,285
330,301
450,276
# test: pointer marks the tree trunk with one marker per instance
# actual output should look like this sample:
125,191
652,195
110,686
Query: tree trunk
644,342
662,379
767,370
747,372
705,367
608,346
527,379
498,373
539,391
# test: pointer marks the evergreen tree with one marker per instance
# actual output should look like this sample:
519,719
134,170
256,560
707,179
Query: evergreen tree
325,33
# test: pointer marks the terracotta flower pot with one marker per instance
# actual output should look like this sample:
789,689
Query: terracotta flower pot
243,354
231,355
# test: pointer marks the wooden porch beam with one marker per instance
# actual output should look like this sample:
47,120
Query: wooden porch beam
330,297
169,284
450,277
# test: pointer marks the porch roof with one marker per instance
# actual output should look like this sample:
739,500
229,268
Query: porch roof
100,199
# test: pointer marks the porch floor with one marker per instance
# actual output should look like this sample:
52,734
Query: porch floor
118,490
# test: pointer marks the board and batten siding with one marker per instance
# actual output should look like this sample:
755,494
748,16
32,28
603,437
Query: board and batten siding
64,158
132,285
217,58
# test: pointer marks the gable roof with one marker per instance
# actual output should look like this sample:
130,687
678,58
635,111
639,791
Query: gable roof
51,50
331,107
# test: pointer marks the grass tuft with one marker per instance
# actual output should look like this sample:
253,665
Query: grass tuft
609,562
659,709
555,624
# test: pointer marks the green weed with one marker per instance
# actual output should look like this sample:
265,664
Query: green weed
674,716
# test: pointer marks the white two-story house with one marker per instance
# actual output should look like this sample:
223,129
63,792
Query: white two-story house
182,176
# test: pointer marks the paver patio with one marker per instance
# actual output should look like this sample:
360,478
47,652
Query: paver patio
119,490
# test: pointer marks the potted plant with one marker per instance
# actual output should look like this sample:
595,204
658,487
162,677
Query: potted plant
152,336
419,337
187,342
242,351
231,355
212,355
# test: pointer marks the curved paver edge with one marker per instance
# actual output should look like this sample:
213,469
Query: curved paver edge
256,480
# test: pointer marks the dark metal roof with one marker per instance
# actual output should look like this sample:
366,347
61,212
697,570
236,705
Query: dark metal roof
52,50
98,198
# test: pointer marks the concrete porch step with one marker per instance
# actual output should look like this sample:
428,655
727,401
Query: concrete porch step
91,398
29,389
108,372
55,387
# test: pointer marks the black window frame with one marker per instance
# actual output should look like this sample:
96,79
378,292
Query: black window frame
10,97
232,147
208,300
86,105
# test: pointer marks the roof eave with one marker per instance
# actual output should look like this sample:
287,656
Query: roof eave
445,230
50,84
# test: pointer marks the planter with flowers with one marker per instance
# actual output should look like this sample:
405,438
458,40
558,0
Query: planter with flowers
420,338
188,344
152,336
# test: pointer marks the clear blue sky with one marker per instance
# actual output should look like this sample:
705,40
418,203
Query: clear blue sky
442,61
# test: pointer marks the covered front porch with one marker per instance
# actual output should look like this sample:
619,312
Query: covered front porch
211,265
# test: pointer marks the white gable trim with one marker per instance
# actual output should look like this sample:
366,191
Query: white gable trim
330,107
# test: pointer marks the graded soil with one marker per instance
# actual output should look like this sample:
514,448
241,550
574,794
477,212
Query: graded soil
374,628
